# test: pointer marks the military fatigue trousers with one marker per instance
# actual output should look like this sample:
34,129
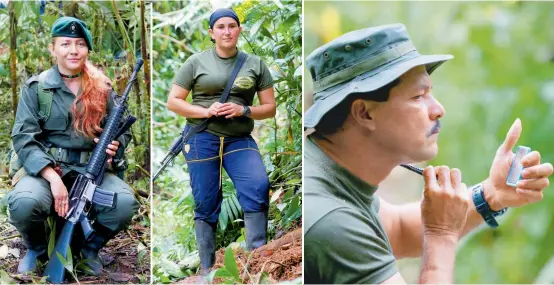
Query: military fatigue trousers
31,201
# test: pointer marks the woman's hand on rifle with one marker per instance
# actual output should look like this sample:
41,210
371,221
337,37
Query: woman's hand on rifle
111,150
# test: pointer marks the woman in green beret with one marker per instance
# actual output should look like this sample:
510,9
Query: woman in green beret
227,142
59,117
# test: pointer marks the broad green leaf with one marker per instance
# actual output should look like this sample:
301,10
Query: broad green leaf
256,27
172,268
293,207
231,264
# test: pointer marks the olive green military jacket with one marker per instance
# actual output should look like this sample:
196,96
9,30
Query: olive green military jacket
34,135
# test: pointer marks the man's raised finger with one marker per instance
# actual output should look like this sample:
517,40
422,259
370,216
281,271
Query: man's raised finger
511,137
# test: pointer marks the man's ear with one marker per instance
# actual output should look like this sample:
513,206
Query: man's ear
363,112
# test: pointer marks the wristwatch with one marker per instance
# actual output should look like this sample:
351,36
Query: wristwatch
483,207
246,111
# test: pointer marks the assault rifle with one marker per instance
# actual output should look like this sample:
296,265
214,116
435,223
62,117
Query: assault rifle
85,190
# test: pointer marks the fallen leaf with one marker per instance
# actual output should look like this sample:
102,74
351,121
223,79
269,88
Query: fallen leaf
121,277
14,251
4,251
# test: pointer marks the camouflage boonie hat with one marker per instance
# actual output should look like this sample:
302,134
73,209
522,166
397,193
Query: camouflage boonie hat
361,61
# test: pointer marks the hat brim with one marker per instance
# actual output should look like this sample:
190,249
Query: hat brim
367,82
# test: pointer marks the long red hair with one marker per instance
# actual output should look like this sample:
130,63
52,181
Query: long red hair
90,107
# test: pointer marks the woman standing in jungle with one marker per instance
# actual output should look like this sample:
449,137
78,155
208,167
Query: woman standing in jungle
59,117
227,142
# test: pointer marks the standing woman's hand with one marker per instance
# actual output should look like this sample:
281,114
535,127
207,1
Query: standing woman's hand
213,110
230,110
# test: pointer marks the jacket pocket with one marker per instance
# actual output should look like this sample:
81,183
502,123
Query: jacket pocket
58,123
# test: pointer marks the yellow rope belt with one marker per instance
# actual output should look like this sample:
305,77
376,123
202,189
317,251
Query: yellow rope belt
221,139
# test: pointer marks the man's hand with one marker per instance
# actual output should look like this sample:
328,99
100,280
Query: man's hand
443,213
231,110
445,202
534,175
111,150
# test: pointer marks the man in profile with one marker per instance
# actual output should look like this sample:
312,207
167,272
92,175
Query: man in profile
373,110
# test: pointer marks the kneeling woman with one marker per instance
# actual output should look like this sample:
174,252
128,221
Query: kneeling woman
59,117
227,142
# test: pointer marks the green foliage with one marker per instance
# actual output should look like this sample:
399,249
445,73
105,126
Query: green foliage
229,274
272,31
502,70
5,278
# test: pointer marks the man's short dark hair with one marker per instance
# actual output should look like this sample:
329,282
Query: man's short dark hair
334,119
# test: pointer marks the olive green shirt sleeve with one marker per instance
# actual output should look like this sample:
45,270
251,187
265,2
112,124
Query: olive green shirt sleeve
344,247
26,130
185,76
266,80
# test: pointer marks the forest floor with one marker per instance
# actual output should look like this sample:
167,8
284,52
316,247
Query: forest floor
120,256
280,259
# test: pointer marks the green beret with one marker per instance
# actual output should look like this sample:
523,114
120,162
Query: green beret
72,28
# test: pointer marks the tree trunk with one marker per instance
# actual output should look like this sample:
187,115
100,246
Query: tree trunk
146,69
124,35
13,55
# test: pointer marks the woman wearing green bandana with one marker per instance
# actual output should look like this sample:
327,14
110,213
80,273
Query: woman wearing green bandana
226,143
59,117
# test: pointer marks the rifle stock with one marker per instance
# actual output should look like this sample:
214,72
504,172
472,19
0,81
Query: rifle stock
62,247
82,192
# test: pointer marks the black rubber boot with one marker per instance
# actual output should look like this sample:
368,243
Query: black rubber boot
205,238
91,248
256,229
34,238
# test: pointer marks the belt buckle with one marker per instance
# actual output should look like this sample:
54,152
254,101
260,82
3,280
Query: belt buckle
59,154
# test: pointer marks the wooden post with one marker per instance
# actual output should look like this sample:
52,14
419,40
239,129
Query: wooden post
13,55
145,57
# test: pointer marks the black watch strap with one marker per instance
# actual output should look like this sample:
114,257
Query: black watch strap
483,207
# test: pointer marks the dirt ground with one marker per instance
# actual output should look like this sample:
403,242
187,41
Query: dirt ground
281,259
120,256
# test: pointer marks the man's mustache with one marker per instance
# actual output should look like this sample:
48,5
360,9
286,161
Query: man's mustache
435,128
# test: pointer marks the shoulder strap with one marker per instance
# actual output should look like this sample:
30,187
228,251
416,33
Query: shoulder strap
231,81
45,98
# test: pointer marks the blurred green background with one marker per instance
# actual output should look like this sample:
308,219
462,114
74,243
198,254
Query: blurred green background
272,30
503,69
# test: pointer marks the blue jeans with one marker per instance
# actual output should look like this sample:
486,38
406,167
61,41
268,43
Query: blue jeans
206,154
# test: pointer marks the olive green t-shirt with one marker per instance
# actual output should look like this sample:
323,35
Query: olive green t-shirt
344,241
206,74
